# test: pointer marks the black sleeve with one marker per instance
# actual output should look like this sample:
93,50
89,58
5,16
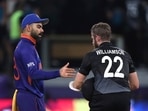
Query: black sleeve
85,65
131,64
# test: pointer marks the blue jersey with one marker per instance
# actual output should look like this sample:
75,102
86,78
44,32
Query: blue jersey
28,73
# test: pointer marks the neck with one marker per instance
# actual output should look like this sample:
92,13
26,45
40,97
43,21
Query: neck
27,36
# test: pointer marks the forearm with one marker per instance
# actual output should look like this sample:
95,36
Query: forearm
45,75
78,81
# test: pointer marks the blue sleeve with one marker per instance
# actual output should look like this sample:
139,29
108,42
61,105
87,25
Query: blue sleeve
32,63
44,75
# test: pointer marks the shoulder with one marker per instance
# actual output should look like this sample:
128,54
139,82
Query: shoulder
91,52
90,55
24,47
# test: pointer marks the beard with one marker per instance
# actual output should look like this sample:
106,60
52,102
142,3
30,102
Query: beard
36,36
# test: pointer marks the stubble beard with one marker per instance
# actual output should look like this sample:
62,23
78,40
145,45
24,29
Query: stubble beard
36,36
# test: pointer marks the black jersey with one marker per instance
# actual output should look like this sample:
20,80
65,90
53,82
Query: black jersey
111,67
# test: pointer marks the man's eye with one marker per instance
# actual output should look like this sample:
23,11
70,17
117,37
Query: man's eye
39,26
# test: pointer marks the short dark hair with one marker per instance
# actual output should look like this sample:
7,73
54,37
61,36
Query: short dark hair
102,29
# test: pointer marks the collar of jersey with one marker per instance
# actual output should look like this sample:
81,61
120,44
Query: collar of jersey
105,43
28,37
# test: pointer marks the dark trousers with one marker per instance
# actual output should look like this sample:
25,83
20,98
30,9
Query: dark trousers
27,101
110,102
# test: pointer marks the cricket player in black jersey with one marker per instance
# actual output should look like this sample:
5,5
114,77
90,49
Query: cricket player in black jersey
114,73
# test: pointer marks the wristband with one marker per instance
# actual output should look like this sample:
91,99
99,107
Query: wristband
71,86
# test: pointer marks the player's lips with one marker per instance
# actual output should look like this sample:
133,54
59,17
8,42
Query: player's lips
41,34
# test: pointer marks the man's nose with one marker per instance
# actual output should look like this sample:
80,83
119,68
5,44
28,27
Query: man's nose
42,30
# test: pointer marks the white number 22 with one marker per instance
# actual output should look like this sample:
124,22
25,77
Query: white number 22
117,73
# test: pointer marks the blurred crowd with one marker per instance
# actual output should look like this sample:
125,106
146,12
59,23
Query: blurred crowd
128,18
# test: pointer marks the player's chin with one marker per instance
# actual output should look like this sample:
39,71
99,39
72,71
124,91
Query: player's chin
38,38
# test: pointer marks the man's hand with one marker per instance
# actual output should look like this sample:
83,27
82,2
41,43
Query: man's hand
67,72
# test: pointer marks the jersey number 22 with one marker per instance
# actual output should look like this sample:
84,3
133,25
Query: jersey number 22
117,73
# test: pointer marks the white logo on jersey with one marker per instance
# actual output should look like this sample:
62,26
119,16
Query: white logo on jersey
120,52
31,64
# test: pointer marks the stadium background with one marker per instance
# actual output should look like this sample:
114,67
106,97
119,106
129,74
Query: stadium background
67,38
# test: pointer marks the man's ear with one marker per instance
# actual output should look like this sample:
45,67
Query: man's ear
98,38
28,28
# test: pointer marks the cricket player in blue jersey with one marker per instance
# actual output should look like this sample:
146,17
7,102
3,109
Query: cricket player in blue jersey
28,73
